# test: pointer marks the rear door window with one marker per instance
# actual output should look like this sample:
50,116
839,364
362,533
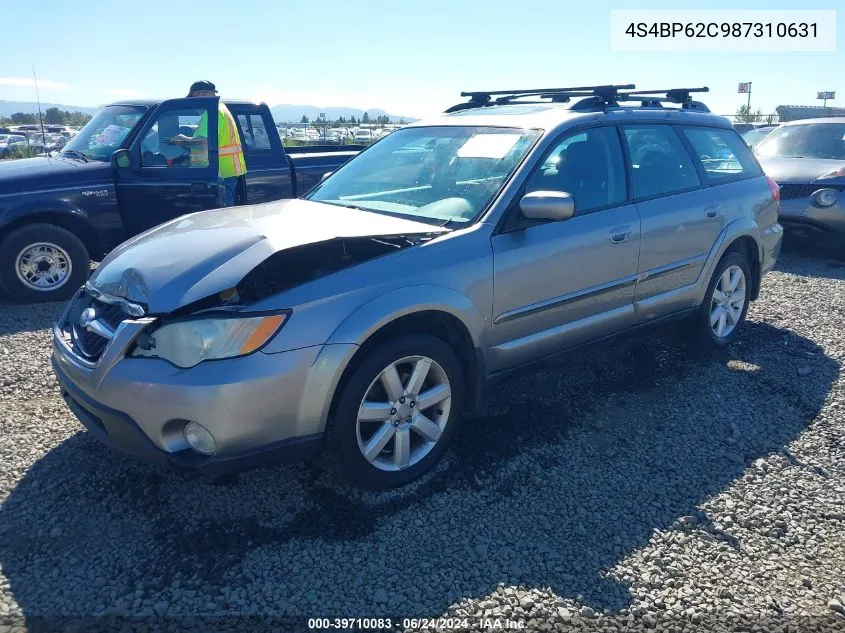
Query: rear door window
723,154
660,165
254,136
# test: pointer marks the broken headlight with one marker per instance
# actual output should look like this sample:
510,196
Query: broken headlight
188,343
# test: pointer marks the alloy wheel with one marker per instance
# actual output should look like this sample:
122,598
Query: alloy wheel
43,266
728,301
403,413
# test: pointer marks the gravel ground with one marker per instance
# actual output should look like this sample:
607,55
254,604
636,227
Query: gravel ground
644,485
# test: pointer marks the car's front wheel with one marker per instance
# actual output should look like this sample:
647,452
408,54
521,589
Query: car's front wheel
398,411
42,262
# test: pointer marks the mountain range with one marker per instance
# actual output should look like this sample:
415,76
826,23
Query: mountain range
282,113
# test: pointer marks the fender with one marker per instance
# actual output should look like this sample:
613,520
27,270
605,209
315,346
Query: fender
741,227
32,204
378,312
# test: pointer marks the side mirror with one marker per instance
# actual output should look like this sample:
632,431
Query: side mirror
547,205
120,159
326,175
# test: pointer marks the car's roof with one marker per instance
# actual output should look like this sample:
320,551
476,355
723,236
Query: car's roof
826,119
154,102
549,116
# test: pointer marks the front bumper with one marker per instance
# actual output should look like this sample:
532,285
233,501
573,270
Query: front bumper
803,212
259,408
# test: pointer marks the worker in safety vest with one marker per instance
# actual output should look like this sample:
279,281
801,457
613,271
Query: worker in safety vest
230,154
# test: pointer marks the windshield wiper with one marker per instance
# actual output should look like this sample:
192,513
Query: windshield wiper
74,153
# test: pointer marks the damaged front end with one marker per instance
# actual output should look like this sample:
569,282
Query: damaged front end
295,266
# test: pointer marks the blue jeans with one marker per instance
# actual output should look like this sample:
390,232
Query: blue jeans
226,191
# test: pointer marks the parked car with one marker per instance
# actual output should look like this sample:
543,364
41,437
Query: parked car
363,136
807,159
12,143
754,136
380,307
119,176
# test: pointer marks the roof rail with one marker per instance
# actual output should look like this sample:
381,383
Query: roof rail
481,99
598,97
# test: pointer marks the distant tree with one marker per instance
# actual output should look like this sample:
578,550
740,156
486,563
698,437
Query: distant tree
770,118
54,116
77,118
745,115
402,122
340,119
22,118
304,119
365,118
352,119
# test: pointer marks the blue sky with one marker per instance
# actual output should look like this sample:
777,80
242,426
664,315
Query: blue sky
408,58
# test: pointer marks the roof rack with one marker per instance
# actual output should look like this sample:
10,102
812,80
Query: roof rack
559,95
598,97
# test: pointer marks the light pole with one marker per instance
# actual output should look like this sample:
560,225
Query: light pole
746,88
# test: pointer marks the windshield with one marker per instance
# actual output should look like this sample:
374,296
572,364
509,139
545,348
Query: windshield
752,137
436,174
105,132
811,140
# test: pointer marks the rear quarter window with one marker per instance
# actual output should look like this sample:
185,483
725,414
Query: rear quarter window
722,153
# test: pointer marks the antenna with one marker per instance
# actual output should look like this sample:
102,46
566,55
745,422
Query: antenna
38,99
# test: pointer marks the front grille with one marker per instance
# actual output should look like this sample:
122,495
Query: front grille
85,341
793,191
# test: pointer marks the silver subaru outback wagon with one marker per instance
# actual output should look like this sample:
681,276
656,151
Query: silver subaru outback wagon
375,310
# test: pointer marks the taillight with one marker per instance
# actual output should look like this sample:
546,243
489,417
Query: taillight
774,188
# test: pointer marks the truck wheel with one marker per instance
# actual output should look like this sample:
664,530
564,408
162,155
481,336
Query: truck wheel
398,411
42,262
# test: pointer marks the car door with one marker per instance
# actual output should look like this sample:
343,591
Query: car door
559,284
681,217
165,180
268,173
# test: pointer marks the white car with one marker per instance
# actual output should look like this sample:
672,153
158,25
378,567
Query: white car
363,136
10,143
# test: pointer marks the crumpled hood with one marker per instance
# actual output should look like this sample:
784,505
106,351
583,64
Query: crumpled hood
197,255
33,174
798,170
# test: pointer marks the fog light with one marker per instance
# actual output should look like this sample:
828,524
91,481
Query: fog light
825,197
199,439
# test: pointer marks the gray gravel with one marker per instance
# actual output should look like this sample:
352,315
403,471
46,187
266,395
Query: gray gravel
644,485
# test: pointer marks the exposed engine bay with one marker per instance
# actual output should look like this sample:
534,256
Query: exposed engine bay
301,264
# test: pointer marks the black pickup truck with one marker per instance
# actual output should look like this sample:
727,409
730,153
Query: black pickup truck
120,176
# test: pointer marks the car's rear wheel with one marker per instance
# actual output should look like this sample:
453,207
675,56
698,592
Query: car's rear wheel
398,411
726,302
42,262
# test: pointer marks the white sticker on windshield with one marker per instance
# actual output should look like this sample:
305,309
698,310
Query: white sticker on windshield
488,145
111,135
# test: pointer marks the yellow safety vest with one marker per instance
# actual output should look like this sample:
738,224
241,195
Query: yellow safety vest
231,163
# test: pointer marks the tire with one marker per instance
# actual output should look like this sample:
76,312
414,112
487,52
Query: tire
64,255
706,332
351,437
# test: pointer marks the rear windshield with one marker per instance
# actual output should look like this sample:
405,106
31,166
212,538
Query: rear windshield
810,140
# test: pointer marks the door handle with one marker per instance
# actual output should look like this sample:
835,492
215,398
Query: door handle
620,234
711,209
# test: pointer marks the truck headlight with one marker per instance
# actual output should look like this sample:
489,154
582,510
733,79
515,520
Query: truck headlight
825,197
188,343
